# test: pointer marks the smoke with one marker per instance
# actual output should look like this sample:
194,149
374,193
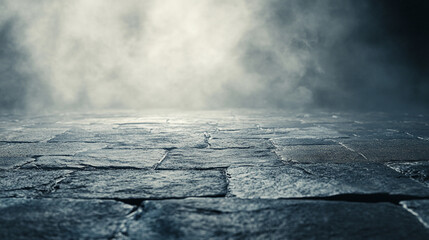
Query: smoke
211,54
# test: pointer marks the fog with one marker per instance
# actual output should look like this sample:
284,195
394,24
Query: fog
130,54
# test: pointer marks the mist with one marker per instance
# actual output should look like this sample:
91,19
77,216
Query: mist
300,54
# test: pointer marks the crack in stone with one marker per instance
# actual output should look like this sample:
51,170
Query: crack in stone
226,179
275,147
57,135
44,189
415,214
351,149
229,194
207,137
365,198
270,142
122,230
139,201
53,185
34,157
156,165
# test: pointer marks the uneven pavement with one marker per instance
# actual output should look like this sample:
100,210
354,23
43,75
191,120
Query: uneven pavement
214,175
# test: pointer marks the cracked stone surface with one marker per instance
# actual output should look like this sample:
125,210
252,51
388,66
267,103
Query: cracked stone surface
318,180
13,162
333,153
280,142
38,149
29,134
215,158
419,208
29,183
392,149
272,219
141,184
416,170
233,142
102,158
214,175
60,218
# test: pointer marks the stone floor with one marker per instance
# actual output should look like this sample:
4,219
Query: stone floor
214,175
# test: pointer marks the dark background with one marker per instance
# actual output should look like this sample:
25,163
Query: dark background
397,75
378,61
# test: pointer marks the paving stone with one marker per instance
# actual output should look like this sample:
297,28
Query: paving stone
29,183
255,132
319,154
286,141
391,150
314,132
102,158
133,138
222,143
60,218
30,134
146,184
162,141
319,180
368,131
416,170
419,208
13,162
214,158
272,219
39,149
97,135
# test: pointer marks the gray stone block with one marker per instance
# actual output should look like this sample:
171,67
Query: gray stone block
391,150
141,184
60,218
39,149
29,183
102,158
320,180
319,154
417,170
214,158
272,219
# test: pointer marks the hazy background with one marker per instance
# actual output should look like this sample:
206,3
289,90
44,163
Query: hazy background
327,54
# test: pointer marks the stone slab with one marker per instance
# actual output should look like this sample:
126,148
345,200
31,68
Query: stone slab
29,183
320,180
30,134
107,135
60,218
320,132
133,138
102,158
333,153
234,142
272,219
42,149
213,158
141,184
417,170
279,142
391,150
